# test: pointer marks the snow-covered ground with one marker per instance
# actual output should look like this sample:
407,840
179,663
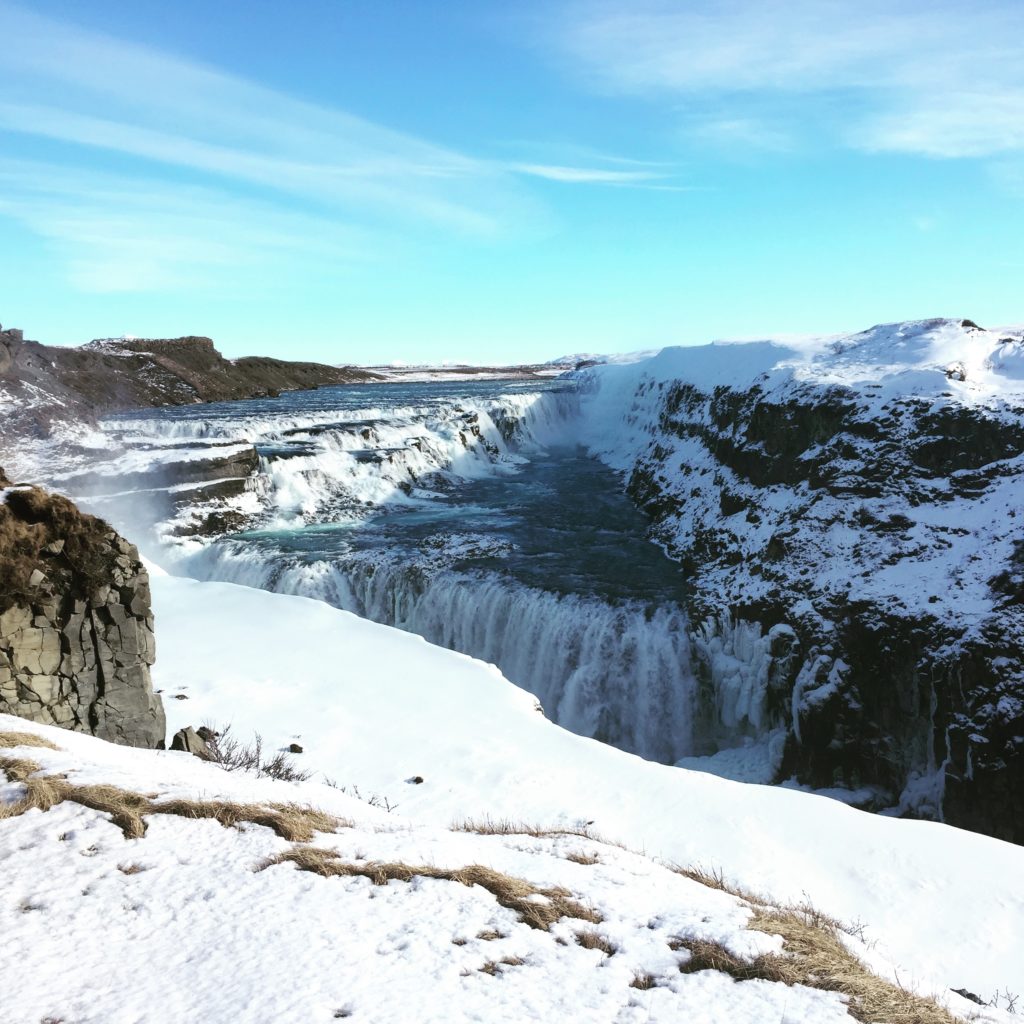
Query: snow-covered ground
182,923
191,921
374,707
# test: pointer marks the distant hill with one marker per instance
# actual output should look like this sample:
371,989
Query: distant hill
44,384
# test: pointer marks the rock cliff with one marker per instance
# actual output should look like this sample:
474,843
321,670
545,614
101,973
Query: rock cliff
847,514
76,626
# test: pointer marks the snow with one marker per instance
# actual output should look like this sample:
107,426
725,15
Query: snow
373,707
184,924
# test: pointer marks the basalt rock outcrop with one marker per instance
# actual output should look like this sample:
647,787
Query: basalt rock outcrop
849,523
76,626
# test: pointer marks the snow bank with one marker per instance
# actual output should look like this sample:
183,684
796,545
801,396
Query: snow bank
374,707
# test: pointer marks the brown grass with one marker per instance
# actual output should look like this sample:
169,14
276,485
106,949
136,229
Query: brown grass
493,967
25,739
489,935
816,957
579,857
42,792
127,810
513,893
590,939
292,822
31,519
642,980
714,878
508,827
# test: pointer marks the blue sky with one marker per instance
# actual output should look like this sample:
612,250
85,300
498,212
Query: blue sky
378,180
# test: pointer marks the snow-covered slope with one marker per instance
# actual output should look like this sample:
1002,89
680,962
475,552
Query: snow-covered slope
374,708
165,914
855,501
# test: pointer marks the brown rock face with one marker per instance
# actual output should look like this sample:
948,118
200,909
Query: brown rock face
76,626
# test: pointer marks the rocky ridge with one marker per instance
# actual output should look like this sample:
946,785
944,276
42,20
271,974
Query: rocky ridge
76,625
847,515
41,385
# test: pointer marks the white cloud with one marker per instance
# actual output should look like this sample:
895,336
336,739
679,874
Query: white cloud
116,234
935,78
588,175
82,87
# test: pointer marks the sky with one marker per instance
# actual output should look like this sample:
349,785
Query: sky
373,181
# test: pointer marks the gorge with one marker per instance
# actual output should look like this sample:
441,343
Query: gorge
836,605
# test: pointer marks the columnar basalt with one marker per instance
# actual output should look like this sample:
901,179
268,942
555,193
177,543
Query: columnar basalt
76,624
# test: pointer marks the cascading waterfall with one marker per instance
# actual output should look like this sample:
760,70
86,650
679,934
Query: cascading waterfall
466,514
618,672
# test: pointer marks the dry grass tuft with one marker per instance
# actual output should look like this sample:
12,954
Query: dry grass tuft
489,935
41,792
493,967
19,769
643,981
130,869
579,857
590,939
707,955
25,739
46,791
816,957
714,878
127,810
813,941
508,827
290,821
515,894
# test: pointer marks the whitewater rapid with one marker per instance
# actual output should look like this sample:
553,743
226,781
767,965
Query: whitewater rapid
467,513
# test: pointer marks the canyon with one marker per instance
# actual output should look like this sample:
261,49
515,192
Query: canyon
835,605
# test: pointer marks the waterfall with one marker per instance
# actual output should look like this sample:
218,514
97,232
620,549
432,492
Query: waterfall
618,672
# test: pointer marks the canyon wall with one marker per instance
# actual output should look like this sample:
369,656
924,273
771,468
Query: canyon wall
857,511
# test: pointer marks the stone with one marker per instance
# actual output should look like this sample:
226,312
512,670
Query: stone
191,742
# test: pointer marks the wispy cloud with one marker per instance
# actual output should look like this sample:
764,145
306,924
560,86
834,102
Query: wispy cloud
934,78
588,175
70,84
117,234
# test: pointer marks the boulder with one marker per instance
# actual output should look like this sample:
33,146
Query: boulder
191,742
